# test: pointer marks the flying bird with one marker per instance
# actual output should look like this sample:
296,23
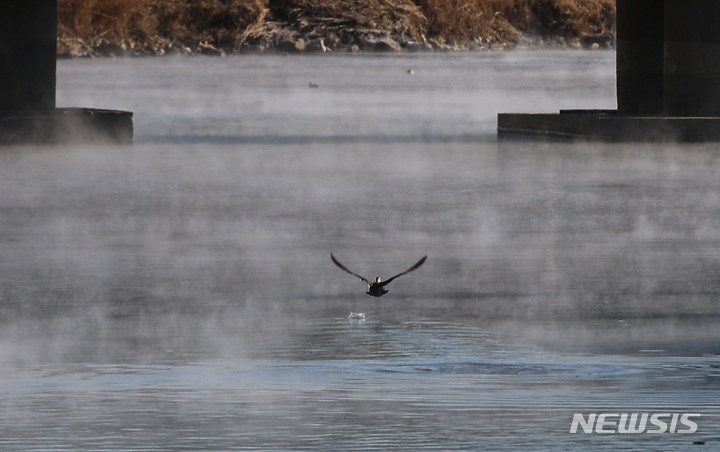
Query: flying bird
377,288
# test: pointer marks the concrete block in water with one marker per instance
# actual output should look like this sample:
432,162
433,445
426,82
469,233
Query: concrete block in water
608,125
66,125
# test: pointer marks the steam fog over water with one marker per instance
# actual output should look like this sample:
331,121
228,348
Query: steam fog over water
178,294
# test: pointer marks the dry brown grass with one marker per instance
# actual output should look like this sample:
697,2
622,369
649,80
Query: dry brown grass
93,19
573,18
224,23
157,26
400,18
464,21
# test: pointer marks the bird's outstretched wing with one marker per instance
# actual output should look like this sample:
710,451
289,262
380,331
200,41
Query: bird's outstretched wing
414,267
347,270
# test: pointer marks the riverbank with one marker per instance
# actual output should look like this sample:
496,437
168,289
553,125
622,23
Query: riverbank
219,27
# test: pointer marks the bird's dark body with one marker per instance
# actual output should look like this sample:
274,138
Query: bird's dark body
377,288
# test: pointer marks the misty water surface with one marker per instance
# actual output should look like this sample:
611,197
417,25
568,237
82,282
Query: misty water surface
178,294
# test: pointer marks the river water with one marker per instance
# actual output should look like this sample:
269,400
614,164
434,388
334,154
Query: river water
178,294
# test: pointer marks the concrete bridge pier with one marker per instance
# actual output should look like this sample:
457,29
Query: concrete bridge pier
668,79
28,35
